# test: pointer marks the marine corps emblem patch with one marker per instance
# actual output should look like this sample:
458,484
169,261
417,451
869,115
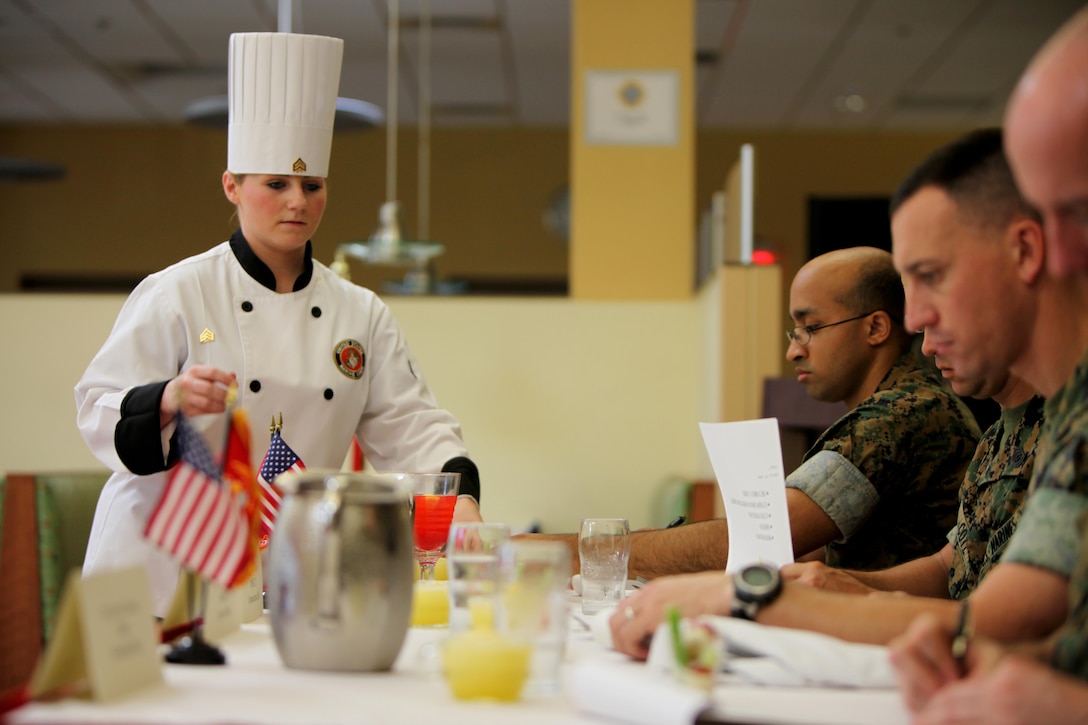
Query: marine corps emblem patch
350,358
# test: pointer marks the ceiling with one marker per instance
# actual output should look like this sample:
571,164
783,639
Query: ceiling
792,64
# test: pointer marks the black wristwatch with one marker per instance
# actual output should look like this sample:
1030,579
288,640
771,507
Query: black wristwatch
753,587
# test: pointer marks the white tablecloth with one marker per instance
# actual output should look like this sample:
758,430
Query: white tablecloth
255,687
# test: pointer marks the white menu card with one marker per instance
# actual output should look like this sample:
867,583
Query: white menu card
747,460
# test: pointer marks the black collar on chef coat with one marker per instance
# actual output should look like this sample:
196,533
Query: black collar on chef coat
259,271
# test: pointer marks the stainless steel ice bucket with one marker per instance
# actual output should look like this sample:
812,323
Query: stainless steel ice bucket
339,579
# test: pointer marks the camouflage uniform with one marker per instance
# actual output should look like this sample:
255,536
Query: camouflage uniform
1071,646
1057,513
1048,535
888,472
992,495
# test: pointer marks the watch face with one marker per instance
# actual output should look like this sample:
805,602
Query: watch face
758,582
757,576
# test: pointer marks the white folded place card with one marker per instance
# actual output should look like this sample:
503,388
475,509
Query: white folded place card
253,595
104,641
747,460
222,611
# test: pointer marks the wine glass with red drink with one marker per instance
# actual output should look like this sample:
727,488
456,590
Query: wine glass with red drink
433,499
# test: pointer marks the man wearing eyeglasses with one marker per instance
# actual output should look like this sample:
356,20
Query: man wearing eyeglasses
880,485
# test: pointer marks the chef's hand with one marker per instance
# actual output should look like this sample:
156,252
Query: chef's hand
199,390
636,618
466,510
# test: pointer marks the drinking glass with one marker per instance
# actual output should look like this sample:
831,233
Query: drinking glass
472,563
433,497
534,607
604,546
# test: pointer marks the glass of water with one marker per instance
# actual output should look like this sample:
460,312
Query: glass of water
604,547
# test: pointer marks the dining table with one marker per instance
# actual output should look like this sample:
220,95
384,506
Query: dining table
254,686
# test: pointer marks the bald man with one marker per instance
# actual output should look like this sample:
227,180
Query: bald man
880,485
1046,137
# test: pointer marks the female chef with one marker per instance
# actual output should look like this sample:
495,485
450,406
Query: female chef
258,310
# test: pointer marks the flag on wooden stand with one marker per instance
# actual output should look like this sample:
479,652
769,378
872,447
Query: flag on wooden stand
277,460
201,522
238,471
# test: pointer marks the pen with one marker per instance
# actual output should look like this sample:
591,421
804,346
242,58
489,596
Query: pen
676,522
961,638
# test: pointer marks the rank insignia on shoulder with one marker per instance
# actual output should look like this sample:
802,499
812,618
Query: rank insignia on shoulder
350,358
206,336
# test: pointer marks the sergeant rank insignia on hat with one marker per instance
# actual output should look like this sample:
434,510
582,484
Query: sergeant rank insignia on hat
206,336
299,166
350,358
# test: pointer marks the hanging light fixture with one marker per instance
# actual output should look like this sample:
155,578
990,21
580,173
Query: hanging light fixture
351,113
387,245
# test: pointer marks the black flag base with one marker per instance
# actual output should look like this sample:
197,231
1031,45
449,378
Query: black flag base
194,650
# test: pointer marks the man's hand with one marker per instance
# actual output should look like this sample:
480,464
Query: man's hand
924,664
637,616
818,575
1019,691
569,540
200,390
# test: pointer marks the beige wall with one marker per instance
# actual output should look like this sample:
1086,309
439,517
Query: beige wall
569,408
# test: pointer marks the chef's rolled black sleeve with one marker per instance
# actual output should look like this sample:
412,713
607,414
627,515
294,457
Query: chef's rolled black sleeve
470,476
138,435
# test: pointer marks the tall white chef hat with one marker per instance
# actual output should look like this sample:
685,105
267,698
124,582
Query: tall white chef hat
282,89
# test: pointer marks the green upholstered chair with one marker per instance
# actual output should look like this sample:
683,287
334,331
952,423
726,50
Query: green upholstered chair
45,519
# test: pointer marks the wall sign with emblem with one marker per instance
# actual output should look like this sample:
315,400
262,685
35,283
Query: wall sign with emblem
630,107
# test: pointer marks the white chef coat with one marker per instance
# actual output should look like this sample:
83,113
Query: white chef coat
282,347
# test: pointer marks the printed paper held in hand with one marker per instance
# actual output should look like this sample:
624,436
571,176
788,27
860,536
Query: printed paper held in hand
747,460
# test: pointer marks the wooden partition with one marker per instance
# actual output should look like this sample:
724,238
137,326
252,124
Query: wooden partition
20,582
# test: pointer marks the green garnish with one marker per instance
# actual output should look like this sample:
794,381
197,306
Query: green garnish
680,652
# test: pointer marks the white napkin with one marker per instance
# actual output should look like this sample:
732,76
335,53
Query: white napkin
631,693
764,655
599,627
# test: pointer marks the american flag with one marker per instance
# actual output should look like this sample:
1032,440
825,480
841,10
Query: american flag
279,459
199,521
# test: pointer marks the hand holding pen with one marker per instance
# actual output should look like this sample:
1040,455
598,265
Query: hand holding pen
922,660
961,638
934,653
